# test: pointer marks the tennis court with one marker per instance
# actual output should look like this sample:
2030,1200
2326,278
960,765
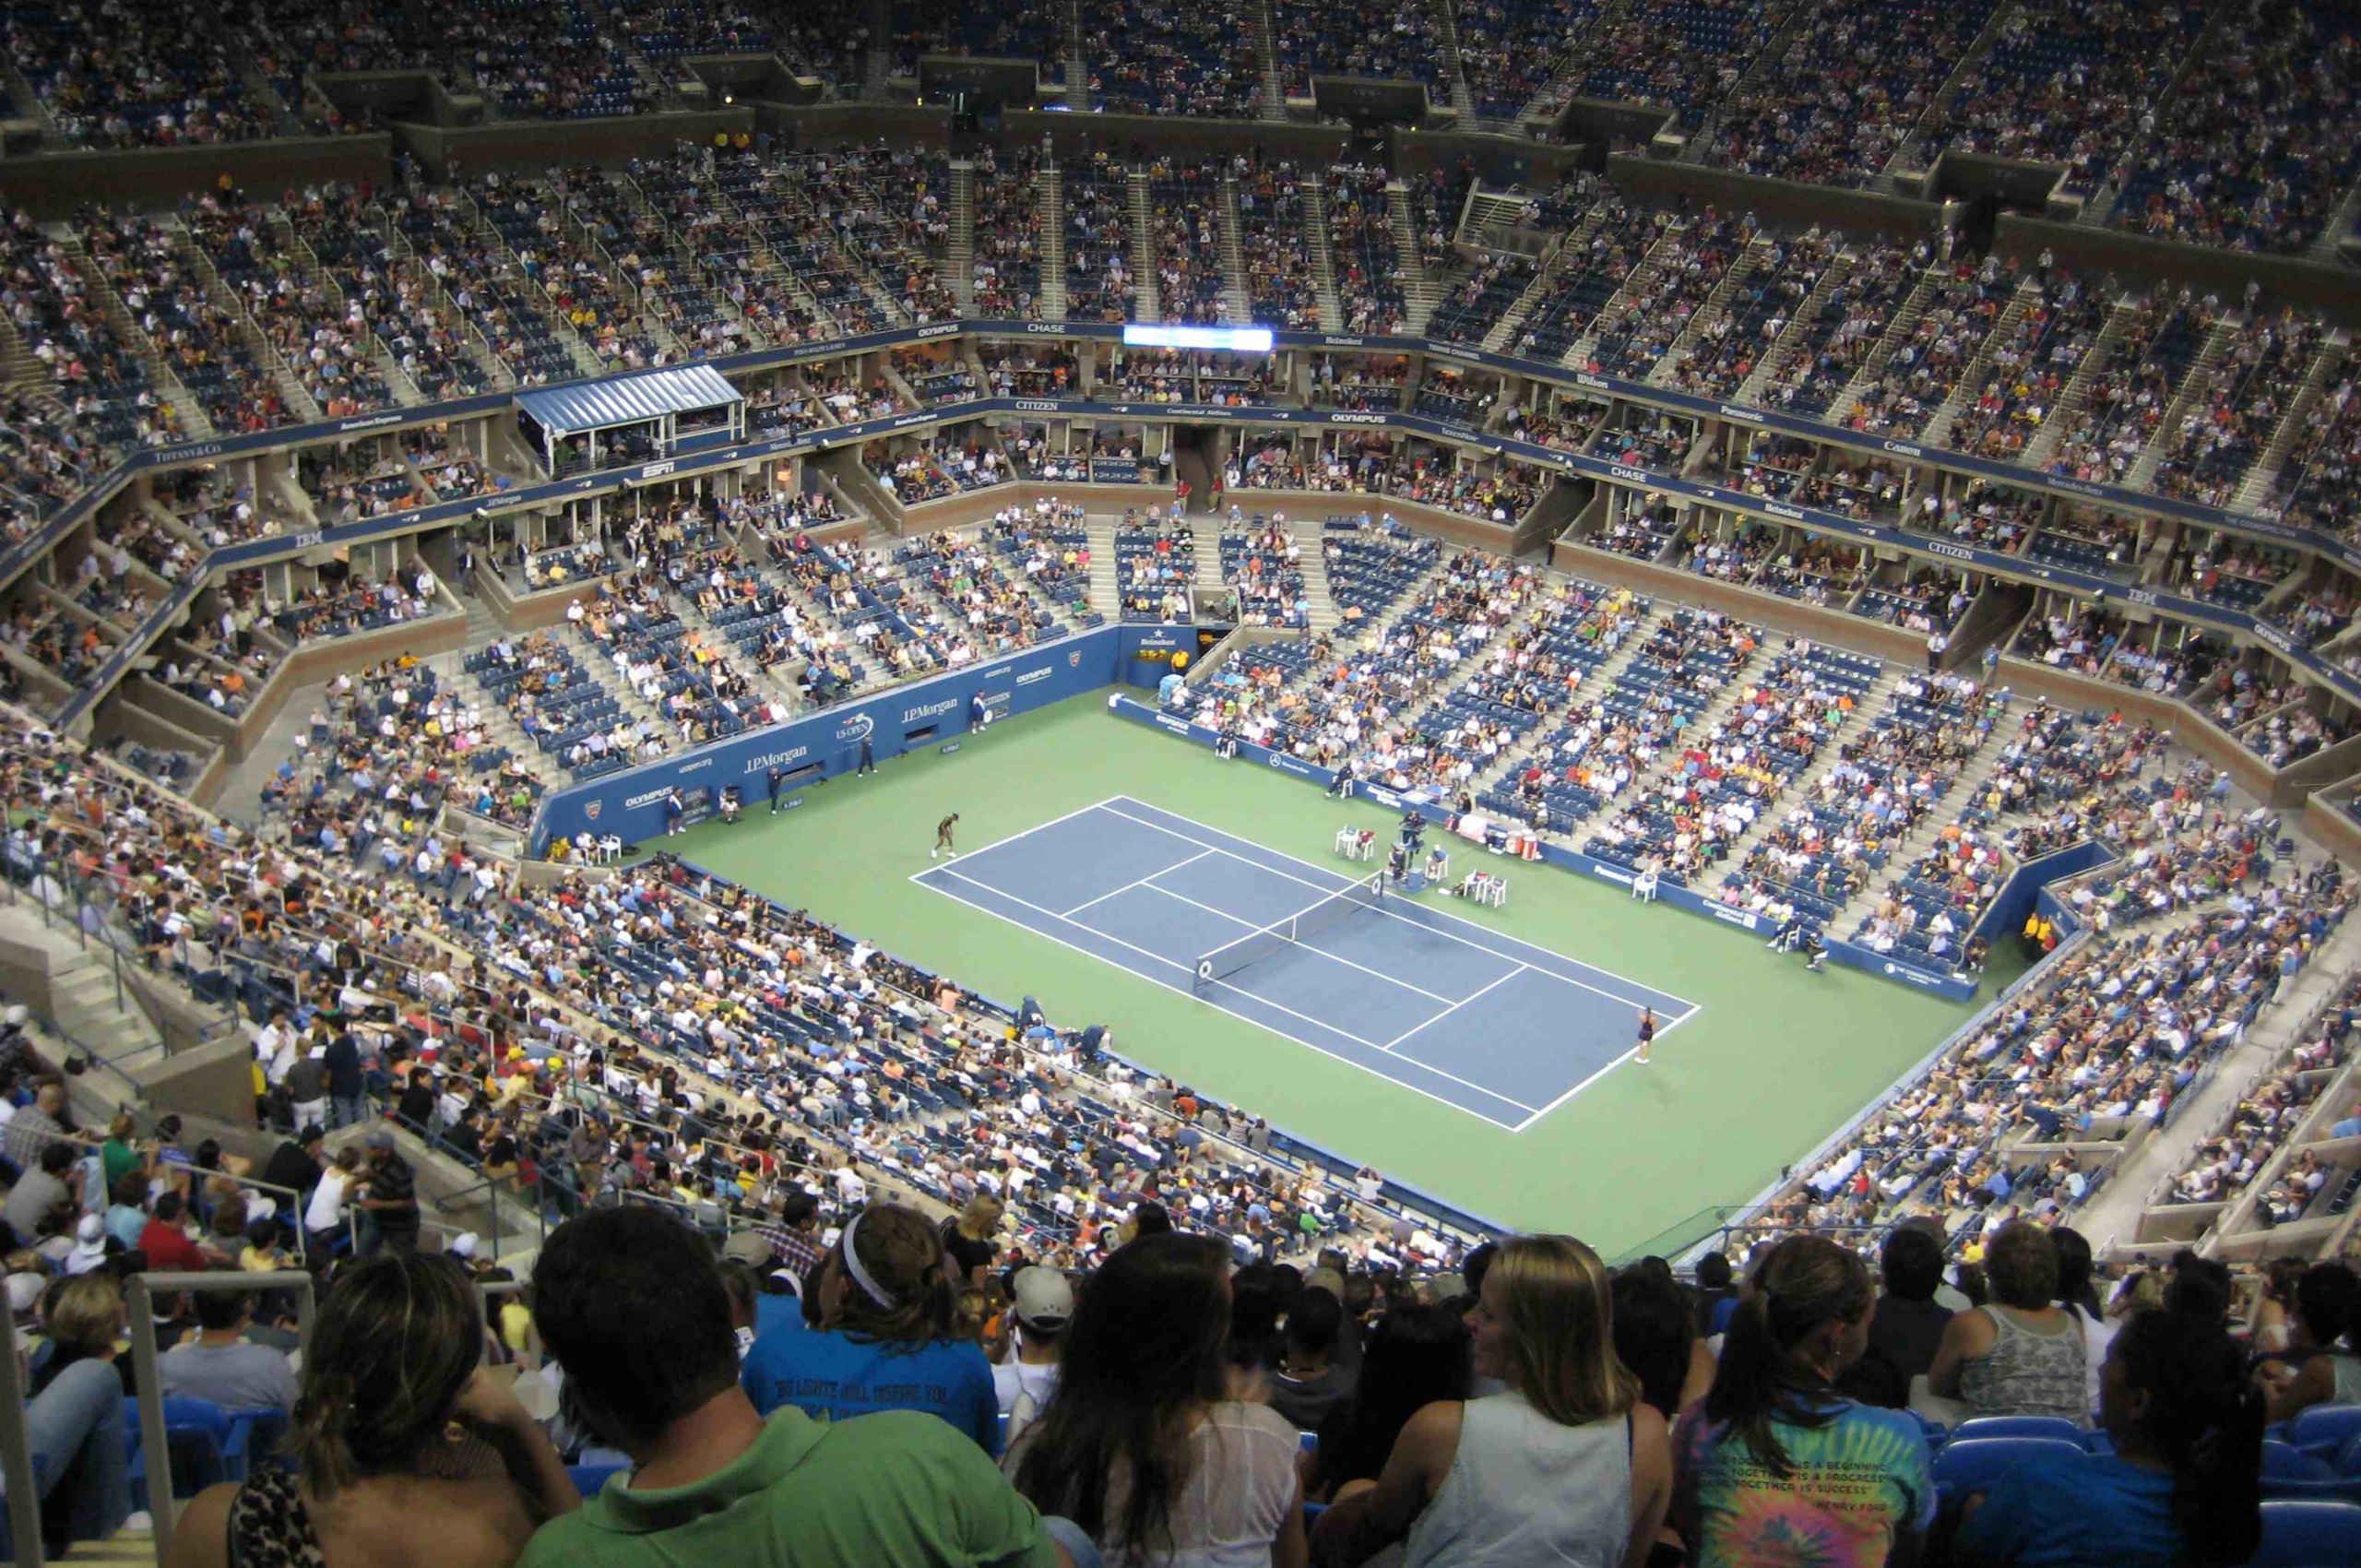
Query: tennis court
1498,1027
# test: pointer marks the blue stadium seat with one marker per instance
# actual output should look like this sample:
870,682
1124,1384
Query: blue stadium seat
1963,1467
2308,1535
2017,1426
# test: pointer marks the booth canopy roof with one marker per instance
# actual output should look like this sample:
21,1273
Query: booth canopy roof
631,399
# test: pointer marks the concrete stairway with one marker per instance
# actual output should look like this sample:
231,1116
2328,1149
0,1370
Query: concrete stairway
2254,492
1806,313
1971,381
1054,241
1741,269
959,258
1872,701
1970,67
1235,297
1419,292
2114,1215
1105,596
1636,284
1970,778
1149,307
2194,385
2069,407
1594,686
1323,260
1897,332
1267,54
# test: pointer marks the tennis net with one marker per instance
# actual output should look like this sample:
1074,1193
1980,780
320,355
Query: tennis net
1255,947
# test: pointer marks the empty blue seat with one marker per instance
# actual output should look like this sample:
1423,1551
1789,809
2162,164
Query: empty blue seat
1963,1467
2308,1535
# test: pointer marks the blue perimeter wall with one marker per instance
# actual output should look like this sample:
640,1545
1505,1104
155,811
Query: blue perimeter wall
632,802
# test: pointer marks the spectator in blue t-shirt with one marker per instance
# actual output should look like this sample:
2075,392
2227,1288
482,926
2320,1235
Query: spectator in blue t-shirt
886,1301
2182,1489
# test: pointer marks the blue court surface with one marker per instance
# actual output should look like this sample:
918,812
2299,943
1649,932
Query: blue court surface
1453,1010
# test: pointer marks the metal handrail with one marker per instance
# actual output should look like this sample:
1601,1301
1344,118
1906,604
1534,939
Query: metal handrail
155,1441
16,1452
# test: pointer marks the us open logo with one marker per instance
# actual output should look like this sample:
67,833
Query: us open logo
590,810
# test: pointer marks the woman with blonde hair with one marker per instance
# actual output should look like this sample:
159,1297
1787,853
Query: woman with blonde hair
1567,1467
887,1337
409,1454
973,1239
85,1323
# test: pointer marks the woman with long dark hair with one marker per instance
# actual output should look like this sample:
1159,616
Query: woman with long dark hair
1777,1456
2183,1487
1565,1467
1140,1445
1415,1357
409,1454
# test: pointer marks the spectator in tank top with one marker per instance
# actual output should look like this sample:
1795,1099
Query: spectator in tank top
2020,1354
1566,1467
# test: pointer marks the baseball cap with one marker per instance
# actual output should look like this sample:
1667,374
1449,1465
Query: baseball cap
379,1137
1326,1279
464,1246
748,1247
1044,1299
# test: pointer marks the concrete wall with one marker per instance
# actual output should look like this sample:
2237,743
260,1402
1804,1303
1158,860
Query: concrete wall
1782,201
53,184
2323,286
1080,134
539,144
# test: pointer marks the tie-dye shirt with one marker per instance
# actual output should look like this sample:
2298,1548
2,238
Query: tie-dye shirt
1854,1484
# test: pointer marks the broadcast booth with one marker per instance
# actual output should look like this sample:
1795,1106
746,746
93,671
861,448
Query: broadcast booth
649,418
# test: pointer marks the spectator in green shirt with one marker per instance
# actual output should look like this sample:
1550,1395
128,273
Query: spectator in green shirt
631,1305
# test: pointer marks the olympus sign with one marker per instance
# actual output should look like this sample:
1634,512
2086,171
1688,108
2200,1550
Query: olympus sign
2274,637
1356,419
648,798
1030,676
945,330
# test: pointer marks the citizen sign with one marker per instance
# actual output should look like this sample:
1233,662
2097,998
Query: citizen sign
1957,551
1035,406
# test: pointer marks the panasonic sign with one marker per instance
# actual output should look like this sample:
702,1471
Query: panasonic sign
1747,415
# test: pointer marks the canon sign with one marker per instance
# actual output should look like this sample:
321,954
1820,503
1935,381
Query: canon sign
1903,448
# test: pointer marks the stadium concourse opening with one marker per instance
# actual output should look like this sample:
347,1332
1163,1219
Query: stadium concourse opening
1479,1021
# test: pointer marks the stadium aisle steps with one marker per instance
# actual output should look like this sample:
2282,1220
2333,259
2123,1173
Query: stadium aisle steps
1105,597
2114,1214
1324,613
1964,785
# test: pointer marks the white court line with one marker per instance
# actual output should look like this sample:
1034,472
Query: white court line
1422,925
1307,947
1601,1073
1037,827
1455,1007
1138,881
1372,1070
